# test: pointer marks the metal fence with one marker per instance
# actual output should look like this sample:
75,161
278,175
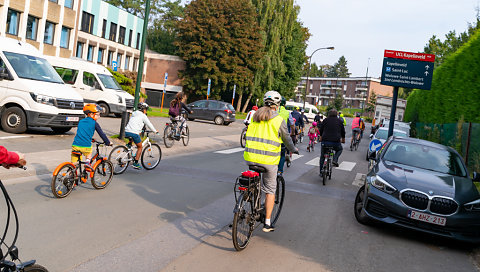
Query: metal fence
463,137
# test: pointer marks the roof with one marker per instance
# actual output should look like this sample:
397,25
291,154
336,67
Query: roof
17,46
422,142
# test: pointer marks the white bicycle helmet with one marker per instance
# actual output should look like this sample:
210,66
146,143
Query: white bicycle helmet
272,97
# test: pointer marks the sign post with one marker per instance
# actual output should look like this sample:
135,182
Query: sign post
164,89
208,88
233,97
407,70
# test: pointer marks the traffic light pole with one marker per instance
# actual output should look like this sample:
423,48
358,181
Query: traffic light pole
142,55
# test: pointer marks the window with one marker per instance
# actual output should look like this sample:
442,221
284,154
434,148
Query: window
87,22
109,82
104,28
13,19
138,40
54,1
100,55
127,62
69,76
110,58
113,32
49,31
214,105
31,67
90,53
135,64
121,35
69,3
65,38
79,50
89,79
130,38
32,27
200,104
119,60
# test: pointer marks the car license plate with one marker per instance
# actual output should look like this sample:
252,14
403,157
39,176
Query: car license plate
72,119
432,219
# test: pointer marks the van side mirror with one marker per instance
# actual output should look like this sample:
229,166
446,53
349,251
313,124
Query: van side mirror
476,177
372,156
96,86
371,136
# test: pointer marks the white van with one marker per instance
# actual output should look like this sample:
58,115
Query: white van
95,83
31,92
310,110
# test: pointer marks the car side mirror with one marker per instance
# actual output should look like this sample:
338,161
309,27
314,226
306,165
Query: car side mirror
371,136
476,177
372,156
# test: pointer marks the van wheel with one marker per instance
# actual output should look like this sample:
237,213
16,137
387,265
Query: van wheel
61,130
14,120
218,120
105,109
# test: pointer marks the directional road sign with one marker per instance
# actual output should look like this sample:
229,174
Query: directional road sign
408,70
375,145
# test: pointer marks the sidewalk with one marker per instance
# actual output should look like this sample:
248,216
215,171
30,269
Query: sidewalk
45,162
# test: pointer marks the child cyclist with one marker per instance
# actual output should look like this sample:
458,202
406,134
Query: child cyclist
86,128
312,135
177,104
135,126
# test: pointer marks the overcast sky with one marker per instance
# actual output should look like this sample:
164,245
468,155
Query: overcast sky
362,29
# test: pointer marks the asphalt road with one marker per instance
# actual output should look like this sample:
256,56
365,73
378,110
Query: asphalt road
176,217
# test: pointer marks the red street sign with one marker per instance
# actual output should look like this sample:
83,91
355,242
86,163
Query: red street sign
409,56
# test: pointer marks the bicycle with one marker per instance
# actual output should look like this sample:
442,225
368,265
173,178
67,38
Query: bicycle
68,175
327,163
12,250
249,212
121,155
311,145
170,131
356,140
301,135
243,136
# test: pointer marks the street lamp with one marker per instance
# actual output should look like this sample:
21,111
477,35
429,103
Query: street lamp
366,85
308,72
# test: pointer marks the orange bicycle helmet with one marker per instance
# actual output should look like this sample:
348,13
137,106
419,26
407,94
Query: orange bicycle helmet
90,108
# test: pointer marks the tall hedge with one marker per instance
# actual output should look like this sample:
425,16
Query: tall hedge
455,89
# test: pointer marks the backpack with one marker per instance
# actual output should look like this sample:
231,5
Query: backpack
312,130
174,110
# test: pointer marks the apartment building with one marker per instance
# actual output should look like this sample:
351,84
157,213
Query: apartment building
355,90
49,25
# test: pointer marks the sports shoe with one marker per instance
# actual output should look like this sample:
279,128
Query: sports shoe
136,165
268,228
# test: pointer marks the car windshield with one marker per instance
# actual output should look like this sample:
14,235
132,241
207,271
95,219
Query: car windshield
109,82
425,157
31,67
383,134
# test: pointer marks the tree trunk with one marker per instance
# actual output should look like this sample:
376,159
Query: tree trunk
239,101
246,102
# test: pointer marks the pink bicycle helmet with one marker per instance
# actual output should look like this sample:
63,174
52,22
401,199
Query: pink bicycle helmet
314,124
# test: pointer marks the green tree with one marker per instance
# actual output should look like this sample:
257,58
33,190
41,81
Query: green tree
220,40
137,7
161,36
371,103
339,69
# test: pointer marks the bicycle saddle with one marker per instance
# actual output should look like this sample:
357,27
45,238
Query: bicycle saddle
258,169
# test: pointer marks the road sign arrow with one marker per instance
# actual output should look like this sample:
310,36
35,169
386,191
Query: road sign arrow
427,67
426,73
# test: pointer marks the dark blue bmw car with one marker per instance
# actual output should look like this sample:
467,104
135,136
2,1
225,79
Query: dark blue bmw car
423,186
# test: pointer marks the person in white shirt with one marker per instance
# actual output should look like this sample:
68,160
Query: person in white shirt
134,128
250,114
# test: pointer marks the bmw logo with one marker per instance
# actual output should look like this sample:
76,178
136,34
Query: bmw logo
72,105
430,192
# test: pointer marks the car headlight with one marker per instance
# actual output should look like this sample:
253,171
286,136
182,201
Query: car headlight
119,99
473,206
381,184
43,99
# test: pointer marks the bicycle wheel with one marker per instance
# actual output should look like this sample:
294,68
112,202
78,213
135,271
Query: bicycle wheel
103,175
63,182
356,144
186,136
243,138
301,137
151,156
168,136
243,223
324,174
120,158
330,167
35,268
279,198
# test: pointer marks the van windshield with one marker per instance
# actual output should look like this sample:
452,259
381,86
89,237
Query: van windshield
31,67
109,82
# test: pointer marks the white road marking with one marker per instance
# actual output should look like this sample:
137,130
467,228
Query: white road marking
230,151
346,166
13,137
359,180
295,156
314,162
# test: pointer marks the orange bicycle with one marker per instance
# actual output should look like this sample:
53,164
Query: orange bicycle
68,175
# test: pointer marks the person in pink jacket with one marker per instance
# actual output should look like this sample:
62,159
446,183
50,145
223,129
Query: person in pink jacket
9,158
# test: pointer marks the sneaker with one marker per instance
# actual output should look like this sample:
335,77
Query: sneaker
335,164
136,165
268,228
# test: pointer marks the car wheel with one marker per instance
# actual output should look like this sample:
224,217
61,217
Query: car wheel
218,120
105,109
359,210
14,120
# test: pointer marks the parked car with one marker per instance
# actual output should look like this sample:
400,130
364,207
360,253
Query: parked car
382,134
423,186
222,113
398,125
31,92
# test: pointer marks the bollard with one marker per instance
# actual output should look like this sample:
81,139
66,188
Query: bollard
123,124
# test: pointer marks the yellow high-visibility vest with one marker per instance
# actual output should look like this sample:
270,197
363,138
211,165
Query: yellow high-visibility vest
284,113
263,143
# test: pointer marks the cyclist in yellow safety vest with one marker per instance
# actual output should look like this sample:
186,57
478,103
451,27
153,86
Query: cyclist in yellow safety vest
287,116
265,136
